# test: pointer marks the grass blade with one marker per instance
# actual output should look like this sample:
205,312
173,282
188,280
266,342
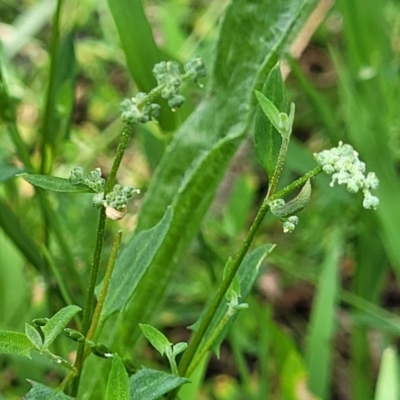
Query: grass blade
323,321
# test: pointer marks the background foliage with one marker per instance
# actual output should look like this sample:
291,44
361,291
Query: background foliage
324,308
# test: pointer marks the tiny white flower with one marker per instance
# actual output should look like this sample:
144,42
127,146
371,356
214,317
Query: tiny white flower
343,164
370,202
290,224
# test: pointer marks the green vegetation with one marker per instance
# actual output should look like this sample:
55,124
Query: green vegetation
166,226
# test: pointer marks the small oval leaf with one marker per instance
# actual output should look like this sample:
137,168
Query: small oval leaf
54,183
158,340
57,323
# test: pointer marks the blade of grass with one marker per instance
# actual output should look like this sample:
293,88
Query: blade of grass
366,283
322,326
388,387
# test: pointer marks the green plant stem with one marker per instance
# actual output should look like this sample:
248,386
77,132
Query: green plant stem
279,166
104,289
207,346
226,282
295,185
87,311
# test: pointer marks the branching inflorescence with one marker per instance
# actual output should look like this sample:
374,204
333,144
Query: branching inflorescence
343,164
140,109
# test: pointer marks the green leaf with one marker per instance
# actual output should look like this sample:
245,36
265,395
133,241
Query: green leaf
388,387
60,96
41,392
132,264
158,340
323,320
54,183
178,348
149,384
118,383
15,343
296,205
267,140
57,323
34,336
270,110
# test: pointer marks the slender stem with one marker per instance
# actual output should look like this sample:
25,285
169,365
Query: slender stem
104,289
207,346
126,135
296,184
279,166
224,286
87,311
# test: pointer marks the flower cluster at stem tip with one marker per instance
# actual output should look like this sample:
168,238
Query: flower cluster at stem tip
114,202
169,79
343,164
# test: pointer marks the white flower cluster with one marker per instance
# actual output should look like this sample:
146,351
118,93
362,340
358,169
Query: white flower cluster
343,164
289,224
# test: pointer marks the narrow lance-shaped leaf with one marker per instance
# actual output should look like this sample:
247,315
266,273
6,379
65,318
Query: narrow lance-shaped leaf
267,139
118,383
138,44
55,184
57,323
15,343
322,326
34,336
138,257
